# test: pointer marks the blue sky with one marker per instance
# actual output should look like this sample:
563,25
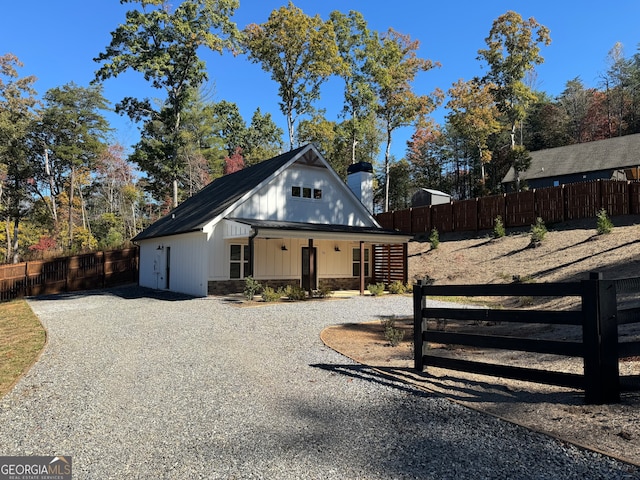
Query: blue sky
57,41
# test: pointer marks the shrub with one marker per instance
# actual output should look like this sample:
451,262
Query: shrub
392,334
498,228
538,231
397,287
251,287
376,289
603,223
294,292
269,294
434,239
323,292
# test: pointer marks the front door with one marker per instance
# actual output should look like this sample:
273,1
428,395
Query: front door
168,270
309,280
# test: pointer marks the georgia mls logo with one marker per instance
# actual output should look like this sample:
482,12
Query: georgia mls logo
35,468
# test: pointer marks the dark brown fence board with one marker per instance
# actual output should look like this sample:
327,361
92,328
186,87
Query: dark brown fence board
389,263
442,217
80,272
634,198
488,209
550,204
465,215
570,380
402,220
499,290
421,219
582,200
519,209
555,347
385,220
614,197
568,317
598,318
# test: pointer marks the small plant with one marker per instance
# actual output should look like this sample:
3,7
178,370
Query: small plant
397,288
269,294
251,287
525,301
538,232
294,292
391,333
498,228
376,289
434,239
323,292
603,222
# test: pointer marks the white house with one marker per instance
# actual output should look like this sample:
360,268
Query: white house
287,220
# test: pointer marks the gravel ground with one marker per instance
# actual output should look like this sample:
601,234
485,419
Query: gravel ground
135,384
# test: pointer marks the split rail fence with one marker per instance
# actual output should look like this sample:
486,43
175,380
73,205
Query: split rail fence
554,204
68,274
599,318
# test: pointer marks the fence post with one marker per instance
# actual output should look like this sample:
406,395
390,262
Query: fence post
26,279
418,324
600,338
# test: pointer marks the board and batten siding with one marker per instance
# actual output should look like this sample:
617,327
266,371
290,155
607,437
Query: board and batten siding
271,261
187,272
274,201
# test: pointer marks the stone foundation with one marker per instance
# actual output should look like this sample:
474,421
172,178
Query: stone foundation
227,287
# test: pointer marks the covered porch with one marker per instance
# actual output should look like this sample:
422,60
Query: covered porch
312,256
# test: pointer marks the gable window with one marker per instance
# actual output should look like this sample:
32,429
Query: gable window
238,261
298,191
356,262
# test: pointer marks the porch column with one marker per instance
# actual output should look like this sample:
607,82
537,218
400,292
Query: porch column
362,267
251,254
312,269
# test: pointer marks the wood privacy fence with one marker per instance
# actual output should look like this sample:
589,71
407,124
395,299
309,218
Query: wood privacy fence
68,274
390,264
599,319
554,204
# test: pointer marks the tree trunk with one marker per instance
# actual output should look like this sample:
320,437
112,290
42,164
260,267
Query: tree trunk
290,128
386,171
71,189
7,229
47,169
175,192
14,247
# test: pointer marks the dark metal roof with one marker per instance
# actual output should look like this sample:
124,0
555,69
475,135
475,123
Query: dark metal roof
192,214
317,227
612,153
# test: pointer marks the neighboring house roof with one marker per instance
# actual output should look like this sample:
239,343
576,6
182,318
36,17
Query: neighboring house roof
432,192
220,197
612,153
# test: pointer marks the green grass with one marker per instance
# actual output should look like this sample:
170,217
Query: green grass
22,338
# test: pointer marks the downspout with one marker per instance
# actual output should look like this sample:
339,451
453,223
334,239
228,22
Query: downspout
251,255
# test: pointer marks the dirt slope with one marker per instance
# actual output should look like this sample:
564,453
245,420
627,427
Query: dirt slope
568,253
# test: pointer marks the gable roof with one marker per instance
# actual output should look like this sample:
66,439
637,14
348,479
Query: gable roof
223,194
612,153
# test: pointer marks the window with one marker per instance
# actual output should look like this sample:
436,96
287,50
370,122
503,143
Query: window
238,261
356,262
298,191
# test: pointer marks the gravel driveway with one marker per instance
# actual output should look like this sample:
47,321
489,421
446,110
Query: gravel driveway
138,386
